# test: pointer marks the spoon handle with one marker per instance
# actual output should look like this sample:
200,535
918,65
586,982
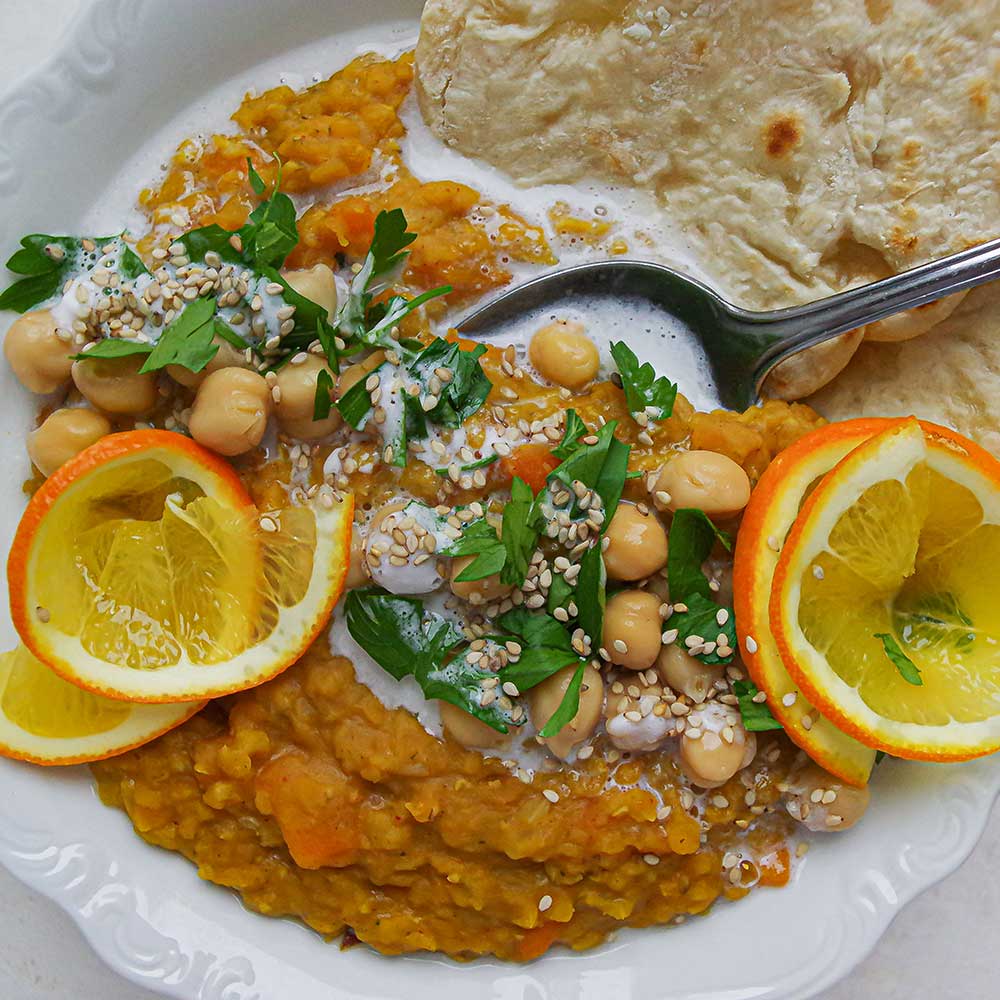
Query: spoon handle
788,331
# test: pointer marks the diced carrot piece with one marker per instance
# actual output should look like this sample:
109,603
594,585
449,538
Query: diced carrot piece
537,941
775,868
315,805
532,463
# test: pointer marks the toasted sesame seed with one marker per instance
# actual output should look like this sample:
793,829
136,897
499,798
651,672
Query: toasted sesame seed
43,614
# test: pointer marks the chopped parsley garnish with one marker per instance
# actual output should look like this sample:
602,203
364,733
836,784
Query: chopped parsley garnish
113,349
545,650
455,398
461,394
757,717
508,554
692,537
601,467
574,429
323,401
908,670
701,621
262,243
406,640
187,341
480,463
47,262
522,525
355,321
641,386
479,539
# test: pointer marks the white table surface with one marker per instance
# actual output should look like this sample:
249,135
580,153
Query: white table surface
942,946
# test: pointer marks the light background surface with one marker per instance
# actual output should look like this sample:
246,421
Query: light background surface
943,945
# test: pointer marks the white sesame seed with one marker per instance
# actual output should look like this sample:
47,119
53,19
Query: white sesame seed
751,644
550,795
544,903
789,699
651,859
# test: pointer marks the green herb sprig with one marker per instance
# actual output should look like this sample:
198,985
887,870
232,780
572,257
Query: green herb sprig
643,390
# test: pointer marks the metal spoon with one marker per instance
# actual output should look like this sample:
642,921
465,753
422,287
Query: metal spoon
741,347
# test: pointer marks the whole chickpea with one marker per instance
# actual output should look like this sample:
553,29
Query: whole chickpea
227,356
64,434
468,730
839,807
316,284
476,592
711,760
562,353
545,698
353,374
115,385
230,411
632,629
685,673
297,389
637,544
707,480
36,353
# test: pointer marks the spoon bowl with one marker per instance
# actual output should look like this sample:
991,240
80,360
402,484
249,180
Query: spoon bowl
731,350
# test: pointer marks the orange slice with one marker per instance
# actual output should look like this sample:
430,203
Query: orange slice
142,571
46,720
900,540
773,507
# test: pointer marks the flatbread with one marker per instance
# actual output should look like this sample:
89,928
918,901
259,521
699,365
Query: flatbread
802,148
950,375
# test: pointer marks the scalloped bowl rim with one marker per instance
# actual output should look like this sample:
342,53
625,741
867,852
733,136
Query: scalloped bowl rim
144,911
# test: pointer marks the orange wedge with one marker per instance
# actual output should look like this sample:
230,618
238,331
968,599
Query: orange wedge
46,720
885,608
141,570
773,507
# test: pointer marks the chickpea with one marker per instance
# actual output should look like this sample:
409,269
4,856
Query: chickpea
637,544
227,356
316,284
633,629
357,569
350,376
37,354
706,480
230,411
562,353
711,760
115,385
685,673
476,591
839,807
636,717
545,698
63,434
297,389
468,730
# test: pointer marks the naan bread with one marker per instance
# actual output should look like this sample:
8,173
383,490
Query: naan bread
802,148
950,375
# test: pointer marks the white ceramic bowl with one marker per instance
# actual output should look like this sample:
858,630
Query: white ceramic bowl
87,130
